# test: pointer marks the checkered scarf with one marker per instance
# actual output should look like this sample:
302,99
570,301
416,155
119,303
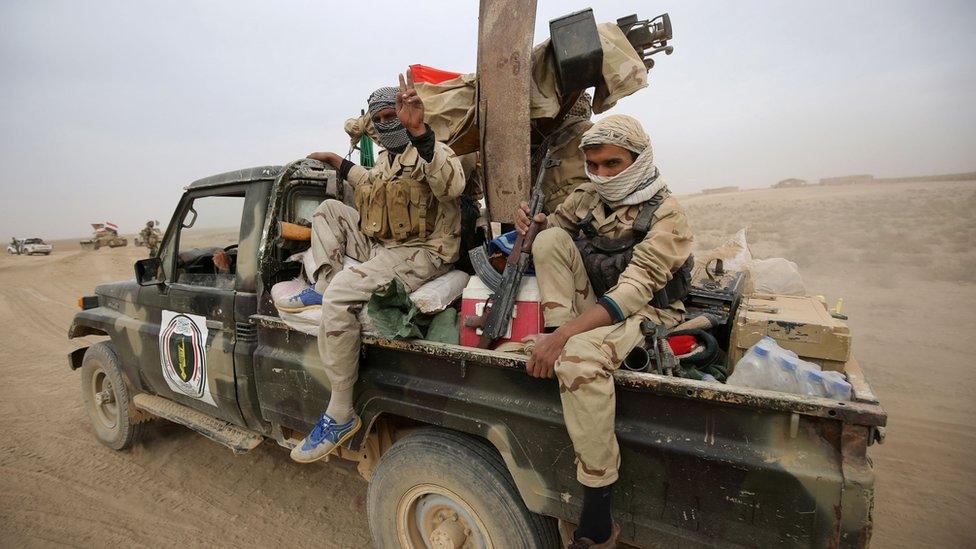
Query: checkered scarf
392,135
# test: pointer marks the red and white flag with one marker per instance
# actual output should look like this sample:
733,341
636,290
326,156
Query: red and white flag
110,225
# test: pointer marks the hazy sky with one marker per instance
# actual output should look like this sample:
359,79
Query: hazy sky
110,108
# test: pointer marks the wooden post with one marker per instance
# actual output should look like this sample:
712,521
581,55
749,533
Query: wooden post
505,29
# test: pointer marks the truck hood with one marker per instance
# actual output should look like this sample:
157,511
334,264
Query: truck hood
123,290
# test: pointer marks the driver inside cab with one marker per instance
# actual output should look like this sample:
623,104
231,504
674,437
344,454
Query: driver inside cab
208,266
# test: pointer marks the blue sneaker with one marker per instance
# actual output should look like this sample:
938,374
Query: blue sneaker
325,437
302,301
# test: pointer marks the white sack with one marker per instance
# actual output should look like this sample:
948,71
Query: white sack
776,276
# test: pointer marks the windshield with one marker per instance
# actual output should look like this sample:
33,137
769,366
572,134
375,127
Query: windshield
33,241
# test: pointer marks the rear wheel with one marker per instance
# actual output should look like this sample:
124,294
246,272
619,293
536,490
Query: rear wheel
443,489
107,397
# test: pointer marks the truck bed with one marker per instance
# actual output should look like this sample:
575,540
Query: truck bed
864,409
701,463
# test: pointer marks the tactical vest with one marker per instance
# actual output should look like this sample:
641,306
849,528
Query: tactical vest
399,209
606,258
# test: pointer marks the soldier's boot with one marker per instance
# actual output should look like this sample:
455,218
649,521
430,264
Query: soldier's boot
325,438
587,543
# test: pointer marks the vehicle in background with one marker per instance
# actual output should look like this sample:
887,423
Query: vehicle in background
36,246
104,234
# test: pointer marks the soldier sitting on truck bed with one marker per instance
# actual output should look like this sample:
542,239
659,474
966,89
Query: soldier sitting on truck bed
407,226
614,245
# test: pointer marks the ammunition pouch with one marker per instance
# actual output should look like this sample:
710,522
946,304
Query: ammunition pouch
605,258
401,209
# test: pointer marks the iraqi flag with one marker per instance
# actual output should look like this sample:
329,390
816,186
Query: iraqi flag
110,225
430,75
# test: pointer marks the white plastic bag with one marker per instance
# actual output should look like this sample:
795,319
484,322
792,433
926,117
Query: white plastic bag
438,294
734,253
776,276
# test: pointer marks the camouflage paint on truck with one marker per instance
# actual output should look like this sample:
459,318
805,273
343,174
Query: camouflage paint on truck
702,464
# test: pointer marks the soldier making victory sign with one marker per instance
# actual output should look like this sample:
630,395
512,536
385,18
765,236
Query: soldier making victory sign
406,225
617,254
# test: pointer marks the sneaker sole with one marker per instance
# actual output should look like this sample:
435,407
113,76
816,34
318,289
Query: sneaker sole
345,437
297,309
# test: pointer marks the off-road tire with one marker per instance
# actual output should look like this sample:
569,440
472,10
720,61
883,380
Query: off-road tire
102,368
466,466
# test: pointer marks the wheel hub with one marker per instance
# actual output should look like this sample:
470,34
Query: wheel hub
431,516
449,535
103,398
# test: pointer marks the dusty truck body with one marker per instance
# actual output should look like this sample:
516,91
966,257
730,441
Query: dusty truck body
461,448
459,444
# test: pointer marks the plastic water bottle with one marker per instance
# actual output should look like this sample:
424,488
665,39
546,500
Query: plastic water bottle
788,379
812,383
751,370
836,386
775,350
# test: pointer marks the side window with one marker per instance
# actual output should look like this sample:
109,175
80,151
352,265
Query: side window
304,202
208,238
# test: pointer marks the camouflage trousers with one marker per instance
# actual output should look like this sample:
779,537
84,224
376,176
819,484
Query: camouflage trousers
585,367
335,234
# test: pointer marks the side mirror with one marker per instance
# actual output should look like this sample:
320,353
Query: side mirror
149,272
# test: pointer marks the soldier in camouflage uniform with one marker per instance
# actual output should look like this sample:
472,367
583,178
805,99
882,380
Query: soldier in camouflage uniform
150,237
594,333
406,225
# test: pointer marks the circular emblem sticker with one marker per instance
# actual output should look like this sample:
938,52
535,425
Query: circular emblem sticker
181,344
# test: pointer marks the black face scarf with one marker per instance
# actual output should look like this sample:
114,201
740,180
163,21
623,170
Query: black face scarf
392,135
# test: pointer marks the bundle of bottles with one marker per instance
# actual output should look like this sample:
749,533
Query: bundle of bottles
768,366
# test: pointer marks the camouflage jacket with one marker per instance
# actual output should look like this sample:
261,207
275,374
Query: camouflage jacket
664,249
446,180
563,179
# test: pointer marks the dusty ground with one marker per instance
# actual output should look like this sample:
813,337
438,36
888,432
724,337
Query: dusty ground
901,256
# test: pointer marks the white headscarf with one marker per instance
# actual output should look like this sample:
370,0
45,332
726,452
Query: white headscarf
638,182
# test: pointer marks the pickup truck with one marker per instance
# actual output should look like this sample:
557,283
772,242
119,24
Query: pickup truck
36,246
461,448
29,246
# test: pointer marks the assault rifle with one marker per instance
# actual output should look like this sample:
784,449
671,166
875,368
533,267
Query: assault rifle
504,287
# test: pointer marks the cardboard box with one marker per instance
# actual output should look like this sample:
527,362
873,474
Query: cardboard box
798,323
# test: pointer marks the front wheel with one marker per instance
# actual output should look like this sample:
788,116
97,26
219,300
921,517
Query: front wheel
107,398
439,489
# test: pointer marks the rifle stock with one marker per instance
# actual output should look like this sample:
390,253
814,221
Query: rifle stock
501,303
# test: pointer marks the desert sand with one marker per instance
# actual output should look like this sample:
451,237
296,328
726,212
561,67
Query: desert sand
900,255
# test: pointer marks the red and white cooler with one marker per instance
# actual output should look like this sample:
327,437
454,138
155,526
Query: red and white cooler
527,317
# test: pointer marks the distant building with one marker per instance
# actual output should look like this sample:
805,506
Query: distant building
968,176
790,183
717,190
848,180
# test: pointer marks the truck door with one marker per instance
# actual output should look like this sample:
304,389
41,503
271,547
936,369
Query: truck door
189,354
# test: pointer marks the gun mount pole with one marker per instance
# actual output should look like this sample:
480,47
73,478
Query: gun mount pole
505,30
